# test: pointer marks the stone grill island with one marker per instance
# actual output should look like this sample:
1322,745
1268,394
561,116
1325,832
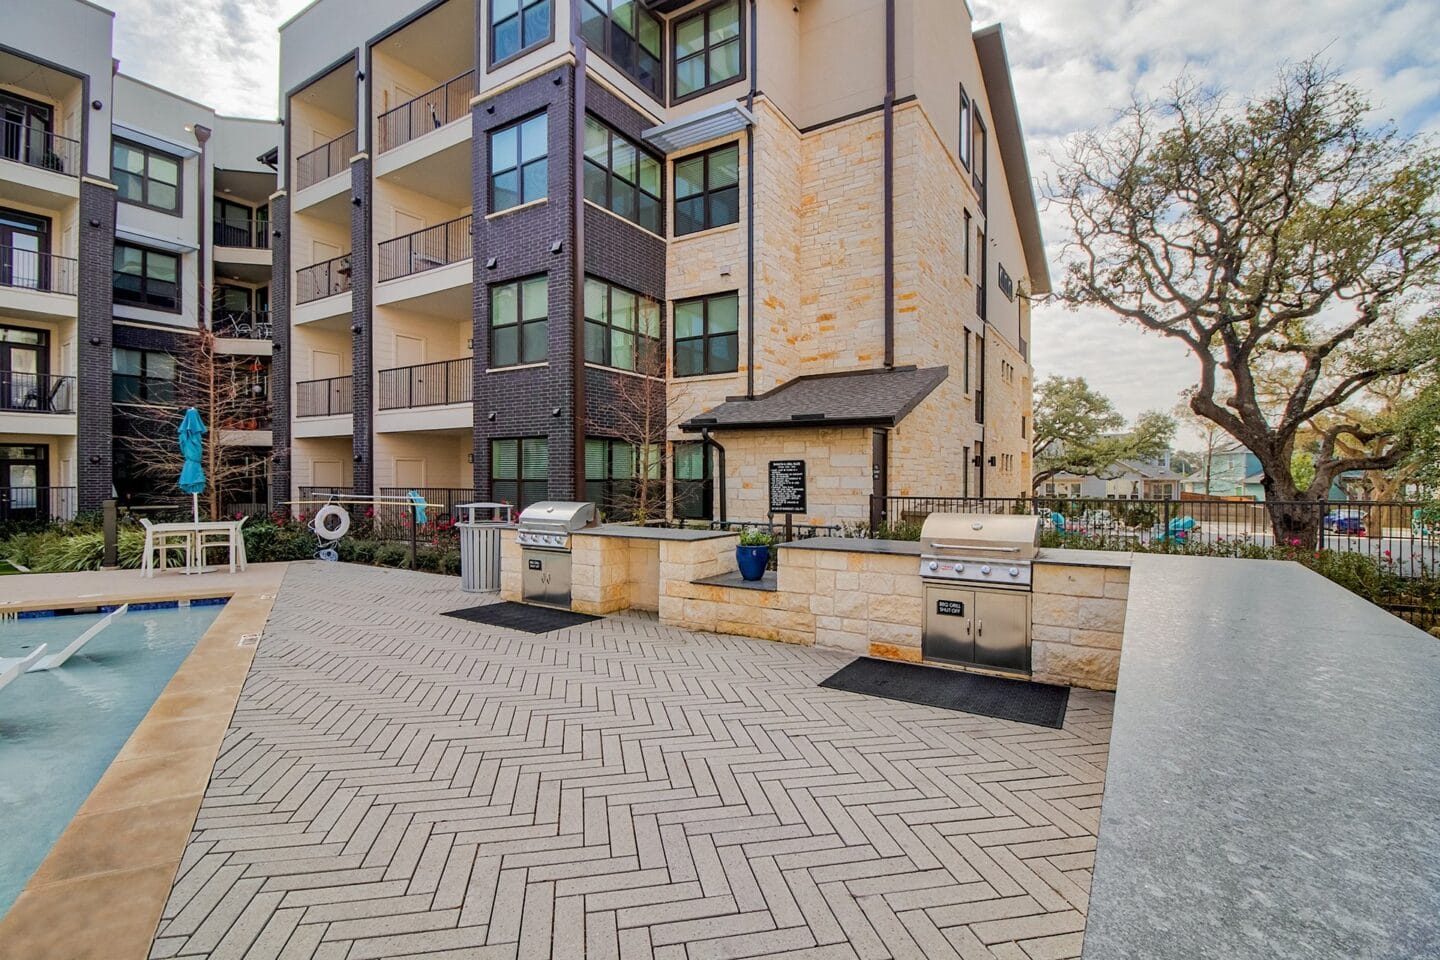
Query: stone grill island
1272,731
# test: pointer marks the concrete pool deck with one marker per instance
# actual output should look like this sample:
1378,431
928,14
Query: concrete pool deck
100,891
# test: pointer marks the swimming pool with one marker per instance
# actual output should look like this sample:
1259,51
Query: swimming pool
60,729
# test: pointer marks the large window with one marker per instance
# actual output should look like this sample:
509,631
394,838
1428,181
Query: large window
519,471
693,488
142,376
516,26
621,177
981,166
519,322
622,328
965,142
707,335
613,468
519,172
708,48
147,278
707,190
145,176
628,35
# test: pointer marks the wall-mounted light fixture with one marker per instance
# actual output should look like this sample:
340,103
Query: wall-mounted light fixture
492,263
491,416
555,412
356,328
95,341
557,246
94,223
359,458
97,105
359,74
357,201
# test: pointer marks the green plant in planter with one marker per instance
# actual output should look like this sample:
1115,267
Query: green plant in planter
755,537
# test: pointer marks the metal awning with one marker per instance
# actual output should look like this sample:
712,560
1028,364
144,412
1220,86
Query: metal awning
154,141
140,238
709,124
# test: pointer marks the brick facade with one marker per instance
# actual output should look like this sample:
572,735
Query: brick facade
280,356
362,323
95,442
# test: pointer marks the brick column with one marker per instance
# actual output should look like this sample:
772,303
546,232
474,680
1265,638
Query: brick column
280,475
362,226
94,447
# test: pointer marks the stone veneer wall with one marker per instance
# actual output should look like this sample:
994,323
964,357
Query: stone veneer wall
1077,623
837,469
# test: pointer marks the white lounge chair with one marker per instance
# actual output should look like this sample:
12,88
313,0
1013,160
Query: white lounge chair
51,662
12,667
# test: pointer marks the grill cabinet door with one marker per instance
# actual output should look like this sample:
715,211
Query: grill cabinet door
1002,629
949,624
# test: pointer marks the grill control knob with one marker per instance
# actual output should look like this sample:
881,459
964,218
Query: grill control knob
959,568
985,569
934,565
1014,571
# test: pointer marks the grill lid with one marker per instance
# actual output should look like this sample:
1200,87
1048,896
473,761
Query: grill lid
997,536
558,516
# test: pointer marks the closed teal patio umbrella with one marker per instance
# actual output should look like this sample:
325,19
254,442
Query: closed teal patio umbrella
192,448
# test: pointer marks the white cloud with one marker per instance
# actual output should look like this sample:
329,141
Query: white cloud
1076,63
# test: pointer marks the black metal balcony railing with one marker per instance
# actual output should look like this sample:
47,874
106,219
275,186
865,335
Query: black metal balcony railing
324,398
38,505
436,246
322,280
36,393
39,148
324,161
426,384
242,324
251,234
33,270
430,111
322,493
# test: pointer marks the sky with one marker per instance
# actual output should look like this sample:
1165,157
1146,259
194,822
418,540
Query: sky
1075,64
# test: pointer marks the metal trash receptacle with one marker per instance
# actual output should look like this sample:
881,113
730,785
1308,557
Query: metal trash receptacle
480,528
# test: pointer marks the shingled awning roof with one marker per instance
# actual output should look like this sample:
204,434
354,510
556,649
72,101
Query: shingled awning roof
868,398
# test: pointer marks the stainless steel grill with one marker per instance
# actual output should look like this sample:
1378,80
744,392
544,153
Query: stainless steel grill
979,549
544,532
977,577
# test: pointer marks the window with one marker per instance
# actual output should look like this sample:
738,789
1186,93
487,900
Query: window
519,471
145,176
981,166
707,49
982,275
142,376
519,322
516,26
621,177
519,172
965,142
622,328
628,35
967,243
707,335
147,278
693,491
967,362
707,190
612,469
1024,428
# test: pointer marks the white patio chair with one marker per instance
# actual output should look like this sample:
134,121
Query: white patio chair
161,542
227,537
12,667
57,660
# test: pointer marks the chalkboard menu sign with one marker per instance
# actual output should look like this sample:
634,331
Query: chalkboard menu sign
787,486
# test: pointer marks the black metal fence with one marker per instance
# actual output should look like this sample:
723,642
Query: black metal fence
324,398
431,110
426,384
779,530
35,270
436,246
37,147
37,505
242,324
319,280
324,161
36,393
245,232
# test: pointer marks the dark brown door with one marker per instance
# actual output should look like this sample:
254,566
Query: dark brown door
879,479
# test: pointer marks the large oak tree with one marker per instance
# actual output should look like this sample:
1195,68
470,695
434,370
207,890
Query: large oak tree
1283,234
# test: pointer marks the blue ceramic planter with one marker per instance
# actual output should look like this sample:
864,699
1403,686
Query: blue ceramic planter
752,561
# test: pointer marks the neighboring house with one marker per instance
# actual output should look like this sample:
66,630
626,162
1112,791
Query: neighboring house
1236,472
127,216
825,269
1126,480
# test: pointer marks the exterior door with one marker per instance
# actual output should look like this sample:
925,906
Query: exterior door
24,249
24,369
324,365
879,478
327,473
324,251
25,131
410,474
24,473
409,351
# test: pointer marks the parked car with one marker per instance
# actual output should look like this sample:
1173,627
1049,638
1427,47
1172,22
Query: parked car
1349,524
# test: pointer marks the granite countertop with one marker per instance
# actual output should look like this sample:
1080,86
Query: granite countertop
1273,784
651,533
902,548
1086,558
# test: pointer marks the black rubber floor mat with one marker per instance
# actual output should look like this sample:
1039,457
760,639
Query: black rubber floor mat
521,616
1021,700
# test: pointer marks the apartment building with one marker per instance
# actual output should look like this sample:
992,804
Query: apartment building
130,217
542,248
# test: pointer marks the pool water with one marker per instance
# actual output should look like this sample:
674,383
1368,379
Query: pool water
60,729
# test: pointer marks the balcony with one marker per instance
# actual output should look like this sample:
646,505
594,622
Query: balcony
33,270
39,148
38,505
318,281
430,111
324,398
242,324
325,161
436,246
426,384
243,234
36,393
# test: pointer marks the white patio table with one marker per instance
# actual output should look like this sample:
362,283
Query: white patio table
198,537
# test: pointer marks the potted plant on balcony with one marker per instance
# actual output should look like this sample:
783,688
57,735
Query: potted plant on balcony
753,553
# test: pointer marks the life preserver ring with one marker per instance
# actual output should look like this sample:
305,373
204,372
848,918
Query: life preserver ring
324,515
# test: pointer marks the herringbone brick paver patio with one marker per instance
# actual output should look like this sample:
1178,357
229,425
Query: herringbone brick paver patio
397,783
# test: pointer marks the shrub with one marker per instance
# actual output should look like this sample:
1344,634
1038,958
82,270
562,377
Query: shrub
392,555
267,541
756,537
357,551
86,551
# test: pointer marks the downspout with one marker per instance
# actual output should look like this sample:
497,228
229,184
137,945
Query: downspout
202,136
710,443
750,209
577,214
889,178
